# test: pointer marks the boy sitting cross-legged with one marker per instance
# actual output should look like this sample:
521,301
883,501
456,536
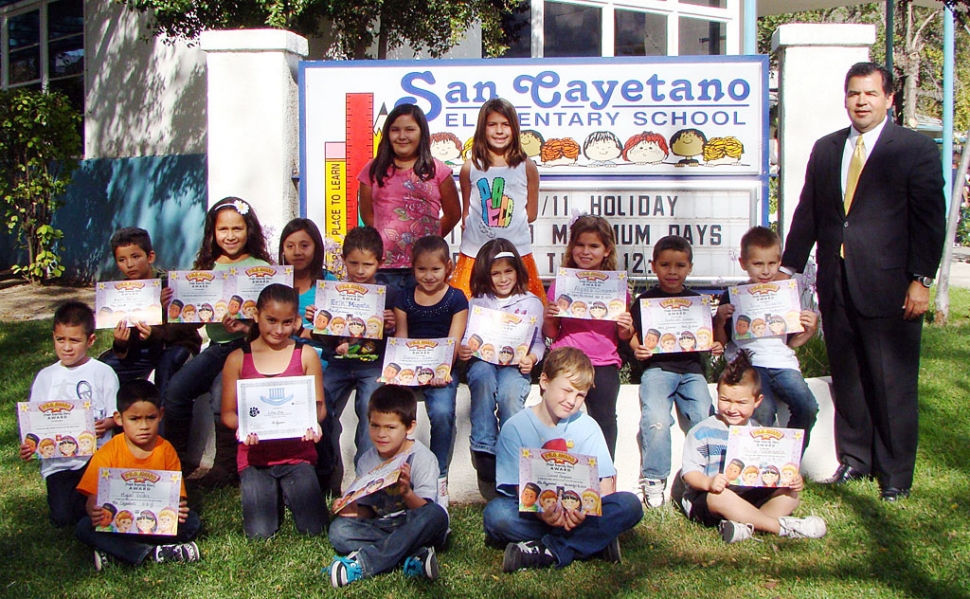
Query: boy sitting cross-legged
558,537
708,498
139,414
398,523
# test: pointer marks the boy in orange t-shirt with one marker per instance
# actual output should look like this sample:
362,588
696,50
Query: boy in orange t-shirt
139,414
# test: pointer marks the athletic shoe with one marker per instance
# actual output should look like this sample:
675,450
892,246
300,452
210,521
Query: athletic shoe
735,532
101,560
424,564
611,552
443,492
652,492
186,552
344,570
811,527
527,554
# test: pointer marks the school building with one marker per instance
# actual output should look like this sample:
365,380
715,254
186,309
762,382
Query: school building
148,128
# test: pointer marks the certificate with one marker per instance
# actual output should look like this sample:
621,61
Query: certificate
676,324
499,337
550,479
282,407
199,296
247,283
380,477
139,501
766,309
761,456
416,362
62,428
591,294
349,309
131,301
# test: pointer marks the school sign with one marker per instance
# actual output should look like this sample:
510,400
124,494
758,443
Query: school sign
674,145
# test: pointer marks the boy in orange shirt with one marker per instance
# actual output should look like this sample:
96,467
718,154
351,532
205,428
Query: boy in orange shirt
139,414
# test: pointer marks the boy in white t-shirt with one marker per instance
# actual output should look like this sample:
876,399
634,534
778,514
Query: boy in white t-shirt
74,376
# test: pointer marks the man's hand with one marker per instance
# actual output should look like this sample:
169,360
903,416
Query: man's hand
917,301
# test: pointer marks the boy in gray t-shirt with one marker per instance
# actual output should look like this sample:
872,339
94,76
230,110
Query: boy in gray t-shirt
398,523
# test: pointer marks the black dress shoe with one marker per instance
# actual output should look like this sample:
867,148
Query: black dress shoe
893,494
844,474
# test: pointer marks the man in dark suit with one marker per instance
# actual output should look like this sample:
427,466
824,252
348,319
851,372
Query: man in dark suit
873,202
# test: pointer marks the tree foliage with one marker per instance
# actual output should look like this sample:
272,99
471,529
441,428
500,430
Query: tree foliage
429,25
39,145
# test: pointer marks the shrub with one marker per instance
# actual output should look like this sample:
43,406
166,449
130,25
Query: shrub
39,146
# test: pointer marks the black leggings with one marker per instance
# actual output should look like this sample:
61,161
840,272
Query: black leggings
601,402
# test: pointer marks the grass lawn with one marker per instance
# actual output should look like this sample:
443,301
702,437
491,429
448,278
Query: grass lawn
918,548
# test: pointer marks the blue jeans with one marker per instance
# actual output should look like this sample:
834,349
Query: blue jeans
133,549
494,388
440,403
788,386
383,543
65,502
344,376
195,379
398,278
261,488
139,363
621,512
659,391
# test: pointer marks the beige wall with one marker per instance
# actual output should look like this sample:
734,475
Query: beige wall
145,97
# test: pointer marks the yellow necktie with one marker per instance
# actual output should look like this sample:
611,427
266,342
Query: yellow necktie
855,169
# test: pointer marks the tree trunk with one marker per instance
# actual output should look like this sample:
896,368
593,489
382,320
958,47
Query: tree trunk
942,306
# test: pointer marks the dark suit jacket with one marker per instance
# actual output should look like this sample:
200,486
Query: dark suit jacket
895,226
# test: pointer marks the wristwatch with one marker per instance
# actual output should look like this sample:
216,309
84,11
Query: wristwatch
924,281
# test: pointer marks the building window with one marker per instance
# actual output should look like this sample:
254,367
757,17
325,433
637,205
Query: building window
43,46
572,30
698,36
639,33
622,28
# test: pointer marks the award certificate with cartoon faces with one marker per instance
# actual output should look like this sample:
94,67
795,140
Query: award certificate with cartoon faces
766,309
380,477
499,337
246,283
676,324
416,362
591,294
62,428
130,301
551,479
138,501
763,456
282,407
199,296
346,309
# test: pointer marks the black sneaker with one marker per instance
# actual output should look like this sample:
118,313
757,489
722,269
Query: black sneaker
611,553
101,560
527,554
185,552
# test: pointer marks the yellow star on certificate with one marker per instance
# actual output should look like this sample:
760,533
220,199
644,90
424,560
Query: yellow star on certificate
24,407
176,477
526,453
105,473
233,271
86,405
592,461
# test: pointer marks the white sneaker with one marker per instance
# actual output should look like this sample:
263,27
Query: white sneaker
652,492
811,527
443,492
735,532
